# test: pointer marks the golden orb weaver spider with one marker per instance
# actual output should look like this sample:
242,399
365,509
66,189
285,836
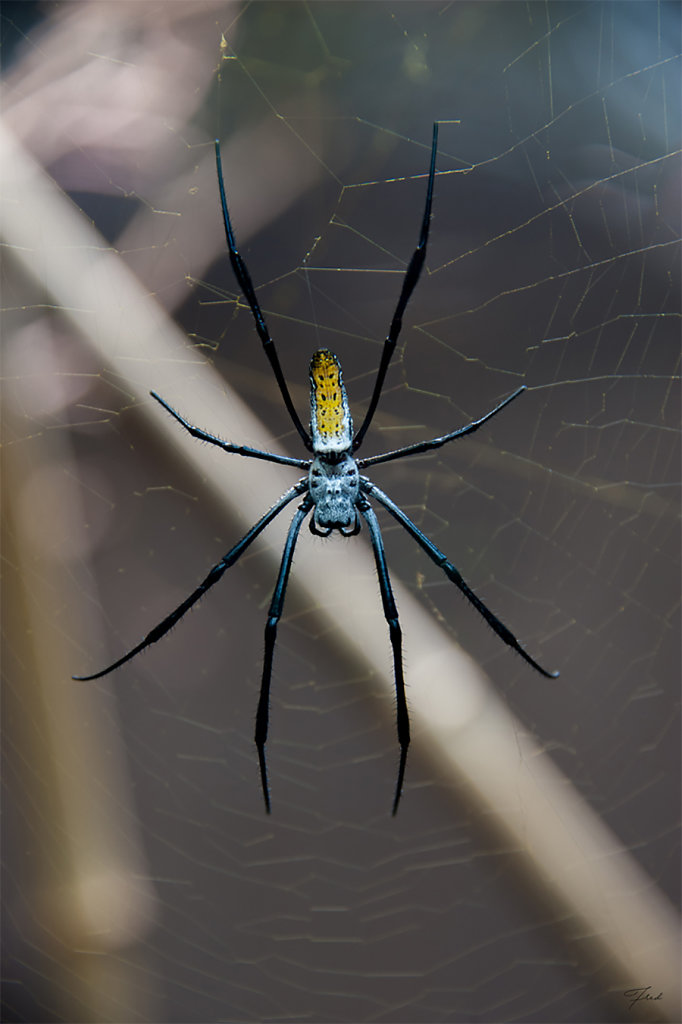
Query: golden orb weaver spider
333,488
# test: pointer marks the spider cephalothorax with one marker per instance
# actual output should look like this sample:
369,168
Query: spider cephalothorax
333,489
334,486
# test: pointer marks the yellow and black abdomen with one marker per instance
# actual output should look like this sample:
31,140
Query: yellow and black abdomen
330,421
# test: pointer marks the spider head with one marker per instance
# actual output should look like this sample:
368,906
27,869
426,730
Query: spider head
334,485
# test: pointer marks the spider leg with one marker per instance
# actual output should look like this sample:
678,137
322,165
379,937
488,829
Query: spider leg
437,556
274,615
212,578
391,616
426,446
236,449
246,285
412,275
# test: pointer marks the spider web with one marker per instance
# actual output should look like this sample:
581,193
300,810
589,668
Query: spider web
135,824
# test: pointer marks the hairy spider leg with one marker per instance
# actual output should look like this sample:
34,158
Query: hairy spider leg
235,449
214,575
412,275
274,615
246,284
437,556
395,633
426,446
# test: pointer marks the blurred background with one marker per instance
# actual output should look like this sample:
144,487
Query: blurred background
142,880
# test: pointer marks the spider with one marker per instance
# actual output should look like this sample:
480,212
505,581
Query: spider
333,489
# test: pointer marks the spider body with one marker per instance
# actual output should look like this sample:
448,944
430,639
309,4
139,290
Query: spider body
333,489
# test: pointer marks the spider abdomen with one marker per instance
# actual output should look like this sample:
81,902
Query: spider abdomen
330,420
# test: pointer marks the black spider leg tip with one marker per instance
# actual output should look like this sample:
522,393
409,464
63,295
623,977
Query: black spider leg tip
425,446
412,275
246,285
395,633
453,574
214,575
274,615
234,449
